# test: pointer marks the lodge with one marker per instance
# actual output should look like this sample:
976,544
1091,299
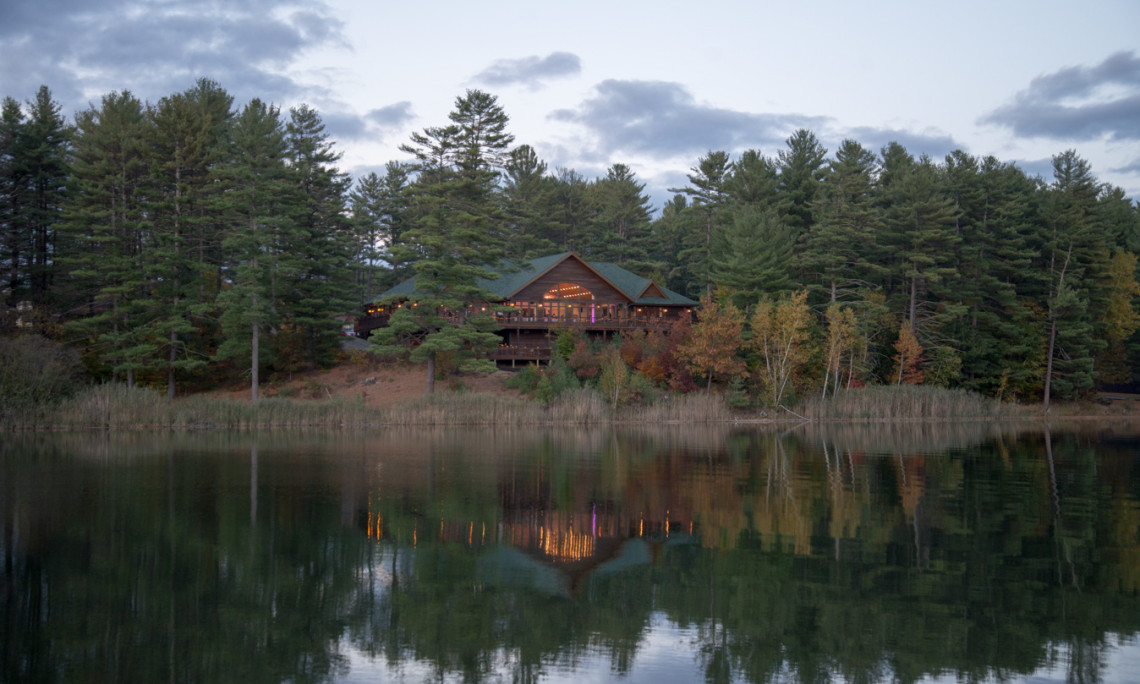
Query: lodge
557,292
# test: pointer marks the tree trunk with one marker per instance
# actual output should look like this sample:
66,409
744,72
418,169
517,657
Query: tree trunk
914,304
254,360
170,367
1053,328
1049,362
430,373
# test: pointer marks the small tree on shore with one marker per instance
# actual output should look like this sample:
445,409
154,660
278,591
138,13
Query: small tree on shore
842,334
780,337
908,357
714,341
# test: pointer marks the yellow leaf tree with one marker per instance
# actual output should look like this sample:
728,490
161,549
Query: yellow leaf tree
1120,317
780,335
842,336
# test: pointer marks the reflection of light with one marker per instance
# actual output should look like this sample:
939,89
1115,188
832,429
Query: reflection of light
565,545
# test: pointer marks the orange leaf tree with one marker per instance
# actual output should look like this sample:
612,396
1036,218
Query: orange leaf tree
714,341
908,357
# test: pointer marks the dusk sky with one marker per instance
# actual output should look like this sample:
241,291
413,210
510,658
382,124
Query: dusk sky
654,85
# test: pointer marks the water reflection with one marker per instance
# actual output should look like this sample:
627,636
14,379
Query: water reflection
907,553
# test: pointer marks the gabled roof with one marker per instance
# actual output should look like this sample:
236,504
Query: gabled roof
514,278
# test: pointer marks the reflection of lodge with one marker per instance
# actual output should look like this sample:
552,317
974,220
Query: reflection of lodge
555,292
571,545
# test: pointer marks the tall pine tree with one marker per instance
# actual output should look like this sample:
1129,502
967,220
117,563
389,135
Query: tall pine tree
108,224
456,238
255,212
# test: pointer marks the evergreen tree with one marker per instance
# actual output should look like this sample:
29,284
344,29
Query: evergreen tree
920,241
837,251
677,224
753,255
753,181
381,212
34,171
997,335
1075,255
254,209
455,239
366,205
619,224
528,198
801,171
708,196
571,211
188,133
108,227
13,197
316,250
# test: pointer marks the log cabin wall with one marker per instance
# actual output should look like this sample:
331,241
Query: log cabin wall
571,271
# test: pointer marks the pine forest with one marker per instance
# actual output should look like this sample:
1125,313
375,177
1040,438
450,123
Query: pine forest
194,241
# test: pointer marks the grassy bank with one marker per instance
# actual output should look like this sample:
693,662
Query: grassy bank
906,402
121,408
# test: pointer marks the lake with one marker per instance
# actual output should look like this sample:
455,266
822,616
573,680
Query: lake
912,553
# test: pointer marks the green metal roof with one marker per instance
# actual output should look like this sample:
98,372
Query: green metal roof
513,278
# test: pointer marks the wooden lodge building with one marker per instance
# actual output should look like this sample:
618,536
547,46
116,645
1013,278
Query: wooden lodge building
557,292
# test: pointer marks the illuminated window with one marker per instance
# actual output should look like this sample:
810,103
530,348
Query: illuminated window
568,291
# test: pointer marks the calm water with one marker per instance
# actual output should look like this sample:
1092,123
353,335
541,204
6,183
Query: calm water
891,554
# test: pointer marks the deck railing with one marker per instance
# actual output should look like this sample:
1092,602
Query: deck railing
507,352
520,320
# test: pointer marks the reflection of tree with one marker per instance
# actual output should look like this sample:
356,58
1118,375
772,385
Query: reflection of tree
154,575
481,555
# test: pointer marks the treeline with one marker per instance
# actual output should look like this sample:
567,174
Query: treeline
166,240
191,240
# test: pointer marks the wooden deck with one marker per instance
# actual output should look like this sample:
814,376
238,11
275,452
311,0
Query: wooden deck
527,336
526,353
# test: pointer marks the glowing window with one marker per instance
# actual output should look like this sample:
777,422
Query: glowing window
568,291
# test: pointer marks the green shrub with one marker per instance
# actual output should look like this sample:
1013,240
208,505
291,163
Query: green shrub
36,371
526,380
544,391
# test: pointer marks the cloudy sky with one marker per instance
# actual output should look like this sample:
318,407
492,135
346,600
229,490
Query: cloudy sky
654,85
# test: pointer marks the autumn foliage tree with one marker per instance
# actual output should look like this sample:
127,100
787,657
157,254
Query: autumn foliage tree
781,336
713,342
908,357
839,345
1121,318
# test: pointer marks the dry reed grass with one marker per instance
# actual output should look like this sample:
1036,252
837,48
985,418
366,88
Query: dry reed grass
114,406
905,402
682,408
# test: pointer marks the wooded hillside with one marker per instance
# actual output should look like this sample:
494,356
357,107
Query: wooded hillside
194,240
